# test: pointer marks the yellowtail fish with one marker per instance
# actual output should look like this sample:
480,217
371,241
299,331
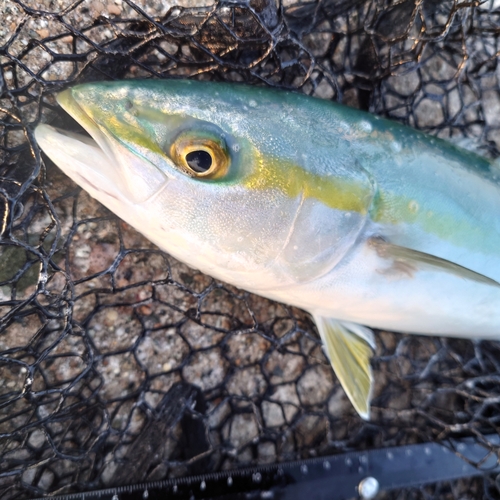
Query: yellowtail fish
356,219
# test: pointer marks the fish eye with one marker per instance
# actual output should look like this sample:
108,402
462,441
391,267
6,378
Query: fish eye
204,156
199,161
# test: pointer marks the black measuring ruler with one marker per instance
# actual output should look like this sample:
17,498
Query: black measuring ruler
337,477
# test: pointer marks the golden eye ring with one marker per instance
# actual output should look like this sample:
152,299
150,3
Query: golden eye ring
200,157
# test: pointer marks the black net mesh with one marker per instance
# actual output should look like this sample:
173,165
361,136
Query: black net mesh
118,364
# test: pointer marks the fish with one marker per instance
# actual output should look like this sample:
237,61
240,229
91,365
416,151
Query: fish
361,221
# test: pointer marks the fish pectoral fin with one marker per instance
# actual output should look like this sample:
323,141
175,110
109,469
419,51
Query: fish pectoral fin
349,348
412,260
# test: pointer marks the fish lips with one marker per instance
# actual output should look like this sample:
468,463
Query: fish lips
79,158
101,164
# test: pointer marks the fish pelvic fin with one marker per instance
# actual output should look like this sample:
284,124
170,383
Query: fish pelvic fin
349,348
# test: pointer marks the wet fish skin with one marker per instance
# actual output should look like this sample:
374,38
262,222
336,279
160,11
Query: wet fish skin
357,219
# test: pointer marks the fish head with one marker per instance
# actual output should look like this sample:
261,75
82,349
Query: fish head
221,176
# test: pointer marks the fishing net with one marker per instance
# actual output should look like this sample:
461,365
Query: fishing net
118,364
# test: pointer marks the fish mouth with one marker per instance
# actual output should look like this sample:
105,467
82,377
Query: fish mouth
76,111
89,161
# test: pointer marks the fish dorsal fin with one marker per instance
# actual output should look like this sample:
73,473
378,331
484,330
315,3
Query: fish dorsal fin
414,260
349,348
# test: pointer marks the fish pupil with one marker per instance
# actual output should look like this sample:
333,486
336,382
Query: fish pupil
199,161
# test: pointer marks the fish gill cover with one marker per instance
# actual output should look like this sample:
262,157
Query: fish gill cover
113,354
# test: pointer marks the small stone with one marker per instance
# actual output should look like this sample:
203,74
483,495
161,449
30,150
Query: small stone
273,414
37,438
114,9
96,7
145,310
111,317
83,252
242,429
